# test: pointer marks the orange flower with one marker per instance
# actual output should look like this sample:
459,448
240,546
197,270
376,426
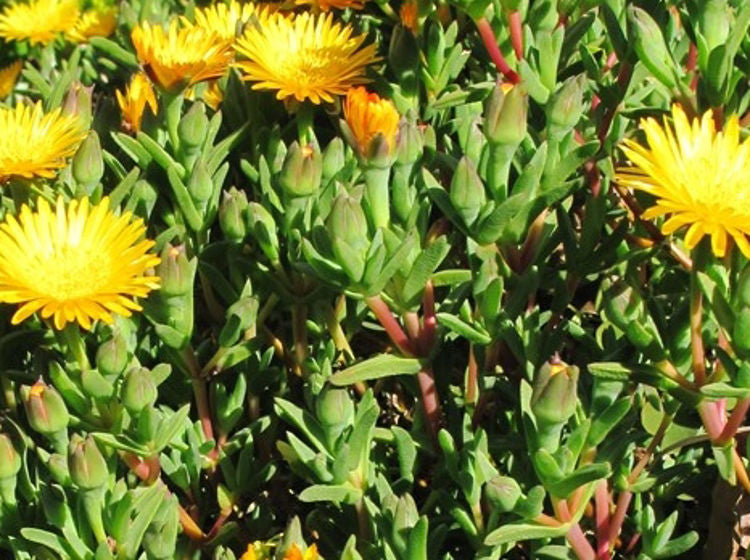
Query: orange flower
372,121
294,553
326,5
409,14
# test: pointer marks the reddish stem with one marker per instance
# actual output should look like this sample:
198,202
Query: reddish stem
712,421
490,43
391,326
472,378
429,321
430,400
601,499
516,32
735,421
575,536
623,502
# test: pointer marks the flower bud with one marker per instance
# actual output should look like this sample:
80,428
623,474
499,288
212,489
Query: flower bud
505,115
58,468
139,390
112,356
403,53
232,215
555,393
200,185
467,191
88,166
78,102
302,170
333,158
192,128
435,47
10,460
371,126
177,273
45,408
263,227
347,226
334,407
87,466
503,493
648,42
565,107
410,143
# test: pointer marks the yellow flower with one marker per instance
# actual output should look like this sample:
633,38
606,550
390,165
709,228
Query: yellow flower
326,5
698,176
294,553
180,57
409,14
256,551
304,56
132,105
38,21
8,77
35,144
93,23
225,19
76,264
369,116
213,96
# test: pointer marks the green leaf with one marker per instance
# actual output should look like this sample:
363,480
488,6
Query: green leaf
604,422
145,507
417,548
423,267
304,422
724,390
45,538
565,486
458,326
115,51
123,443
383,365
341,493
171,427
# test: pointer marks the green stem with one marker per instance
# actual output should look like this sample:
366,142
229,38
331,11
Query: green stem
92,504
501,158
305,118
76,346
377,195
173,109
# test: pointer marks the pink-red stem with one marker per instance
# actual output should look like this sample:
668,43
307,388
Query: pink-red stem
391,326
601,500
575,536
735,421
490,43
430,400
515,26
623,502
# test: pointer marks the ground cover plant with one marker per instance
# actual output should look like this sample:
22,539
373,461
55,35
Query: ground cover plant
372,279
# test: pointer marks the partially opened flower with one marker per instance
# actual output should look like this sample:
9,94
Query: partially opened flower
326,5
138,94
226,20
304,56
37,21
180,57
372,121
698,176
74,263
36,144
8,77
93,23
294,553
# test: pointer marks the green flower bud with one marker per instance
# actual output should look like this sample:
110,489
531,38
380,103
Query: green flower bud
302,170
410,142
78,102
503,493
555,393
87,466
192,127
334,407
232,215
200,185
333,158
714,21
347,226
403,53
565,107
406,514
10,460
177,273
648,42
58,468
160,538
263,228
505,115
112,356
87,165
467,191
139,390
45,408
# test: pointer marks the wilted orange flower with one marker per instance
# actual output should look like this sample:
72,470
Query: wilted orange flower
180,57
409,14
369,116
326,5
132,105
8,77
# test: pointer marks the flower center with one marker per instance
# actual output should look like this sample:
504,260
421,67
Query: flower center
70,273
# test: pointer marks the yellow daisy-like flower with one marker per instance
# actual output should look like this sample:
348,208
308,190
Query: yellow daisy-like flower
294,553
368,116
226,19
38,21
180,57
93,23
326,5
8,77
698,176
133,103
304,56
76,264
35,144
